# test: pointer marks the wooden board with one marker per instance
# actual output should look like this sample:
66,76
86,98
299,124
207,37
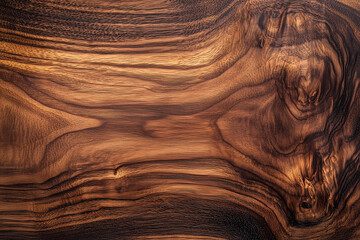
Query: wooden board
179,119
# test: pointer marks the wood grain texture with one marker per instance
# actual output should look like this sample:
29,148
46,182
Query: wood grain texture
179,119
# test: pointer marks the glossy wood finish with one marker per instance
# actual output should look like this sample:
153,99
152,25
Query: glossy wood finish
176,119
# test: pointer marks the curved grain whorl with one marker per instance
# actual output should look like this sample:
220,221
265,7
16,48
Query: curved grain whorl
179,119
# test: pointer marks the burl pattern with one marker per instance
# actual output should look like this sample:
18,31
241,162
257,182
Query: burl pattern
180,119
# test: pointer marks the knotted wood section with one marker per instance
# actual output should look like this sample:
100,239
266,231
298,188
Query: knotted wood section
179,119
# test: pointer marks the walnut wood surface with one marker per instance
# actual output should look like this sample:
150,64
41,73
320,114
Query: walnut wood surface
179,119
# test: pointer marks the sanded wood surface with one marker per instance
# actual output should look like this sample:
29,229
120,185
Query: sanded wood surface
179,119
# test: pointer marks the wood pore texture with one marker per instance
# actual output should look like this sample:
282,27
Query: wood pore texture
179,119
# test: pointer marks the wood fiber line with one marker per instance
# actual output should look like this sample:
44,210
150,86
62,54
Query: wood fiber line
179,119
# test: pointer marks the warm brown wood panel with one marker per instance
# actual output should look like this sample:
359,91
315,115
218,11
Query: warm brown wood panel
179,119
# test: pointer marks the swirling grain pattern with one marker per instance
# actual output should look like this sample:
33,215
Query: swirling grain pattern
179,119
